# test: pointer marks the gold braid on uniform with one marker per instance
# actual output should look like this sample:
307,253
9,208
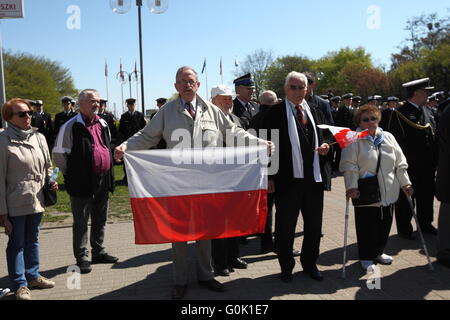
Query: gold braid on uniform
413,124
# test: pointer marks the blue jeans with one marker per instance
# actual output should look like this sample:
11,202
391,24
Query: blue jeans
22,252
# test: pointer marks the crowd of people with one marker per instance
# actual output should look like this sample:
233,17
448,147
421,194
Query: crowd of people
406,150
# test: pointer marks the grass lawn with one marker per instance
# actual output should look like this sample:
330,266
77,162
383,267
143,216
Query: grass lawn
119,203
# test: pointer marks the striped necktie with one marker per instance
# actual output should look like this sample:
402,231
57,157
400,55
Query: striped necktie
190,109
300,116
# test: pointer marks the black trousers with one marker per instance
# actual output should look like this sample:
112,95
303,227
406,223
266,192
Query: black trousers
307,197
423,182
224,251
266,237
373,225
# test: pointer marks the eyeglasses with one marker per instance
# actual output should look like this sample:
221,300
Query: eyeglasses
188,82
23,114
292,87
369,119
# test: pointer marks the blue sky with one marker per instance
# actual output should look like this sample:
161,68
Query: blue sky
192,30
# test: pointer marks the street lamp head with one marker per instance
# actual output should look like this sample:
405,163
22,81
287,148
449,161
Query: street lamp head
158,6
120,6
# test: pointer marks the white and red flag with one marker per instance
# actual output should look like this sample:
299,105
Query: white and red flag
197,194
344,136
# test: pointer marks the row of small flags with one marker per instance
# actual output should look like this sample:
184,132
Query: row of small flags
122,77
121,72
236,64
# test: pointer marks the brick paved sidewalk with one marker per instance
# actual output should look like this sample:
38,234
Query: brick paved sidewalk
145,272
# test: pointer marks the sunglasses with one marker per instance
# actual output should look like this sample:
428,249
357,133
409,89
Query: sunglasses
292,87
369,119
23,114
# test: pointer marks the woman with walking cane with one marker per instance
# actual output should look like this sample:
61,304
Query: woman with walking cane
374,170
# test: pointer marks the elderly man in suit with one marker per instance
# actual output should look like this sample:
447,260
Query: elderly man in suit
243,106
200,119
301,179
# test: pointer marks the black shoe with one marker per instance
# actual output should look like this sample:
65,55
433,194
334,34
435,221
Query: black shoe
239,264
286,277
429,229
314,274
179,292
222,272
85,266
296,253
407,236
213,285
104,258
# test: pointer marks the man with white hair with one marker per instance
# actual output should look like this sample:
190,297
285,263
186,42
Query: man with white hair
82,152
301,179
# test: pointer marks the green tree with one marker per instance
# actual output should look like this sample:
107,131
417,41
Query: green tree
256,63
276,73
37,78
333,67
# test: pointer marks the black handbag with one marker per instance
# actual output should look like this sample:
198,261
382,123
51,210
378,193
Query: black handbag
369,188
50,196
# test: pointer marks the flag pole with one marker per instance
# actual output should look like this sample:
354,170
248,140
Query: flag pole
206,75
221,69
106,76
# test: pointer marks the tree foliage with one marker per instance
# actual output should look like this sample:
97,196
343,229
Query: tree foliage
37,78
256,63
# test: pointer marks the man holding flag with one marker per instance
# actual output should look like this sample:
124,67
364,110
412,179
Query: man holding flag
195,116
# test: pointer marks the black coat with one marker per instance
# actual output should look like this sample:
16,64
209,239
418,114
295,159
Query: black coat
44,124
418,145
443,170
324,106
276,118
245,115
110,120
61,118
130,124
344,118
79,179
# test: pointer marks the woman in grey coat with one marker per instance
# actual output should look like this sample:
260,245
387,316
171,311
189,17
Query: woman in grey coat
24,166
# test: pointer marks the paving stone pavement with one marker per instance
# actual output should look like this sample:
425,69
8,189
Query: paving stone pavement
145,271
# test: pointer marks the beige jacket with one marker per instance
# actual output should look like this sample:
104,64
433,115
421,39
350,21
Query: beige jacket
361,157
22,173
173,123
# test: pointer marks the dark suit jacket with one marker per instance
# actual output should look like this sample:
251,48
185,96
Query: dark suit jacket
419,146
245,115
110,120
276,118
130,124
344,118
443,170
61,118
324,106
45,126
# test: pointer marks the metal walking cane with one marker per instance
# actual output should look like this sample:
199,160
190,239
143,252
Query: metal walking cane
345,236
420,233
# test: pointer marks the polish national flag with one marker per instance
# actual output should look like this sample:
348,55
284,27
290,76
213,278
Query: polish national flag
212,194
344,136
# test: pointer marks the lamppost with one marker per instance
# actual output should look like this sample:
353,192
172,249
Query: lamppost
155,6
